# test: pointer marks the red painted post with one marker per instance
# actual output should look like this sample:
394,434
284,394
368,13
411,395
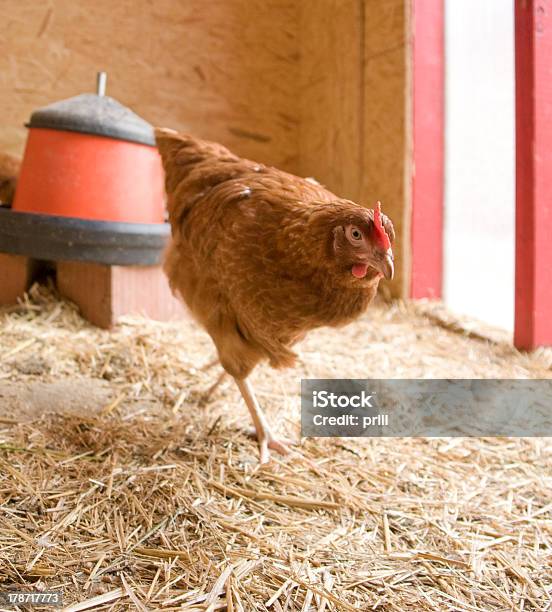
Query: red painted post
533,32
428,152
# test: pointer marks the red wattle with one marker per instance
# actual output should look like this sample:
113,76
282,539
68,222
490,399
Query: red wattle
359,270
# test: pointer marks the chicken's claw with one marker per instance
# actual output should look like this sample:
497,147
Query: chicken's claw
268,443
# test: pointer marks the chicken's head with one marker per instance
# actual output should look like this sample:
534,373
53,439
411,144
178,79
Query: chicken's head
362,243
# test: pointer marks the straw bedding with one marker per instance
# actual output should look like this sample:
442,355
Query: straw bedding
123,486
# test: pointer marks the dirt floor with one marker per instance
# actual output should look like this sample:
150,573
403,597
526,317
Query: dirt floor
123,487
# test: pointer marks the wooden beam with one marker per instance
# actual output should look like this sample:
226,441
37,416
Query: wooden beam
386,161
428,148
105,293
353,136
533,35
330,125
15,277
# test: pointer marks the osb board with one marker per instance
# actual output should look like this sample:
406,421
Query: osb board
224,69
316,87
354,134
330,143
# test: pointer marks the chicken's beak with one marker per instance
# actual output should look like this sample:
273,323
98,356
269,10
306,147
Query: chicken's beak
385,265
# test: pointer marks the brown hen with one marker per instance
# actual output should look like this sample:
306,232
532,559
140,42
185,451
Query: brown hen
9,171
261,257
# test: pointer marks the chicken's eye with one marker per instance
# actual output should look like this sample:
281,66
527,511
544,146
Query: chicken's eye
356,234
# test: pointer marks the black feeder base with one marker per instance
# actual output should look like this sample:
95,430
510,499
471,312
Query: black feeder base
52,238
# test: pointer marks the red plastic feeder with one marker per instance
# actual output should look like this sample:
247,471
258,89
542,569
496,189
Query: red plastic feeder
92,158
90,197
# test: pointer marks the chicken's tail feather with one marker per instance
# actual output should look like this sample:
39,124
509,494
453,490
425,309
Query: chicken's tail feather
168,142
190,164
186,150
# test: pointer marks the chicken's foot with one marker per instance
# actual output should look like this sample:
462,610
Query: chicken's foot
267,440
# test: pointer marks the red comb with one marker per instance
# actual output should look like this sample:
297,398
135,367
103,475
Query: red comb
381,236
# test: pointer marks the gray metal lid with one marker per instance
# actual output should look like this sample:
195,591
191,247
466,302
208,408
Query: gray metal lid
94,114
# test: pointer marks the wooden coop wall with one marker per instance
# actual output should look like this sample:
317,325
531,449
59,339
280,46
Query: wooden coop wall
316,87
221,68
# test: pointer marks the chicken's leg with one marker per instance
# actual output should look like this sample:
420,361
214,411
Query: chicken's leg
264,433
207,395
209,365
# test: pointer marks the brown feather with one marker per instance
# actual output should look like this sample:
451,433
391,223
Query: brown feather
9,171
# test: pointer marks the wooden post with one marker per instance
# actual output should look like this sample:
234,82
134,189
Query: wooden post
105,293
15,275
533,37
428,148
352,112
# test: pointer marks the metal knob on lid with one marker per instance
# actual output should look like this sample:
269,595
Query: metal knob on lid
101,82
